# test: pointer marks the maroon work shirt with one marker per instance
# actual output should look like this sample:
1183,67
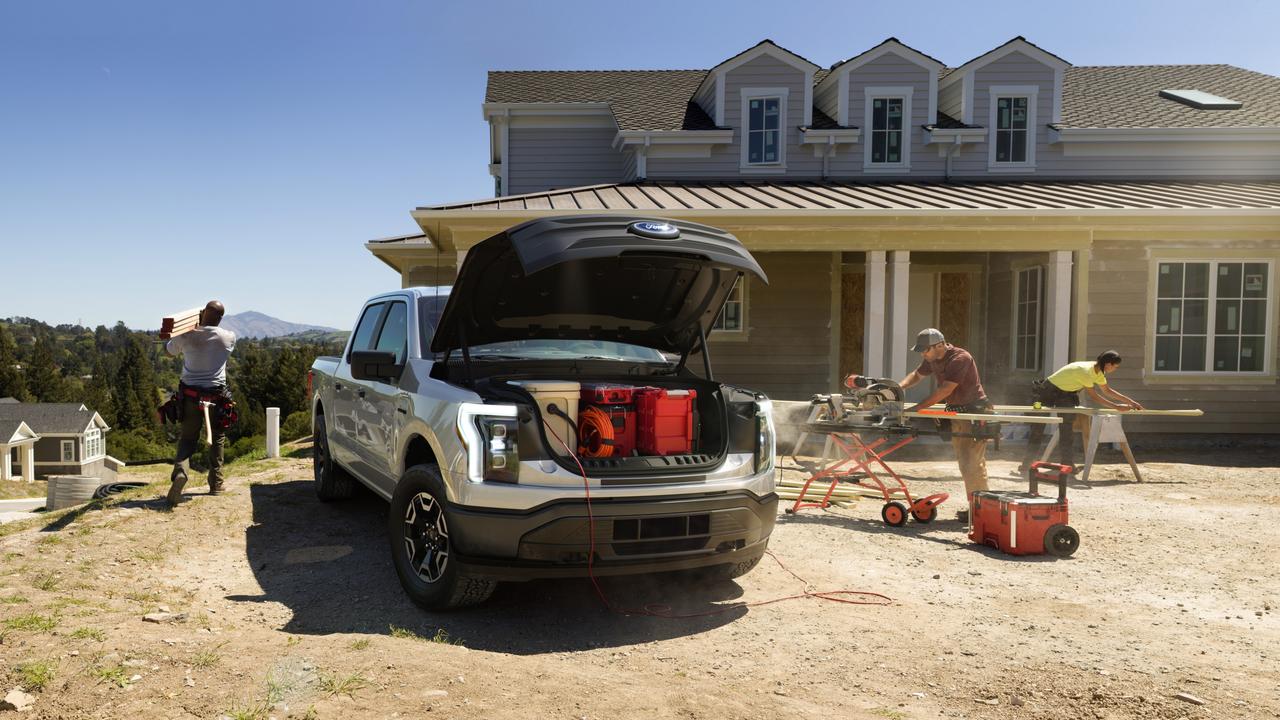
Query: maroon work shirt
956,366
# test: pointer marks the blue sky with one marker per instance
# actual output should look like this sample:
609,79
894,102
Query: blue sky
157,154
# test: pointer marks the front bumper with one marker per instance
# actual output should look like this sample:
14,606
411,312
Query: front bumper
632,535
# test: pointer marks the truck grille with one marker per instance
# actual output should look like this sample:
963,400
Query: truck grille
649,535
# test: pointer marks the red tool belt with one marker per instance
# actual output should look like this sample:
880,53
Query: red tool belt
222,408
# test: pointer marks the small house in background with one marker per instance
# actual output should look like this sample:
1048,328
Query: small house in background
42,439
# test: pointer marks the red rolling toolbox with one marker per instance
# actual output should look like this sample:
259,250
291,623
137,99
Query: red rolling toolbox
664,421
1026,523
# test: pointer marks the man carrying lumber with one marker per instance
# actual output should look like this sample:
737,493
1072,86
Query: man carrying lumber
1062,390
204,352
961,389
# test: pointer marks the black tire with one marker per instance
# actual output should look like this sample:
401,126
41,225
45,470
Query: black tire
418,529
894,514
929,515
726,572
332,482
1061,541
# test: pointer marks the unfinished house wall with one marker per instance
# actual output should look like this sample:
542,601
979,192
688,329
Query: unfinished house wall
786,347
1120,315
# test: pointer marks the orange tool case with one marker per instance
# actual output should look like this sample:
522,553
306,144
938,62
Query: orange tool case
1026,523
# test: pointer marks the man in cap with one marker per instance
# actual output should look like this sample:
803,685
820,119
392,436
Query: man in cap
960,388
204,354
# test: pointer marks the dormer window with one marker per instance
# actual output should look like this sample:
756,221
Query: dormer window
1013,128
888,122
764,112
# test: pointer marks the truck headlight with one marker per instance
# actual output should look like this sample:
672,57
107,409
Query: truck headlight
489,434
766,437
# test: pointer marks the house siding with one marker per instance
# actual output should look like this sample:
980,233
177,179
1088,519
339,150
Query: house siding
786,354
725,160
706,98
49,449
889,70
542,158
1012,69
1118,300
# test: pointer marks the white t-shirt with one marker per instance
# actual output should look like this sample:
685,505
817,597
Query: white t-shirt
204,354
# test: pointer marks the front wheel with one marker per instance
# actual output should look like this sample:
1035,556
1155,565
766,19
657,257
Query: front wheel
422,548
1061,540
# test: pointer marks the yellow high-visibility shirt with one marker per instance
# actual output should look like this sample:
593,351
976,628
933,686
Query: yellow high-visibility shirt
1076,376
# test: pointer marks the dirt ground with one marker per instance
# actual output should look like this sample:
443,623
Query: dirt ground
287,607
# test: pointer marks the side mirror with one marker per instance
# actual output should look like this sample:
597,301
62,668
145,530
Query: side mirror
375,365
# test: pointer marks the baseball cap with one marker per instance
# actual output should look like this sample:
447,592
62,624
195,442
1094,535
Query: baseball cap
926,338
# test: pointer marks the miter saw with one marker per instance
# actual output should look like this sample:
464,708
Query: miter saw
873,401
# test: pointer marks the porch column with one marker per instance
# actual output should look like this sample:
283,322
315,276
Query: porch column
1057,326
899,279
29,463
6,467
873,331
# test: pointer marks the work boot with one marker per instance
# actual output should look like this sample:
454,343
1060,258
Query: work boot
215,488
178,480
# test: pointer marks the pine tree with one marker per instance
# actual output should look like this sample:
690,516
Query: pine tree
44,379
136,393
98,392
12,383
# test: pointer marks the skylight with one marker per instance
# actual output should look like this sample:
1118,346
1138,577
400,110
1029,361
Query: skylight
1201,100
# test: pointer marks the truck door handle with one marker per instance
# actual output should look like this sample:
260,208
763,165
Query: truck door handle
337,386
360,393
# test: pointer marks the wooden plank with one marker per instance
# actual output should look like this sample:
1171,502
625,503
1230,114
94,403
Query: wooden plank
1098,411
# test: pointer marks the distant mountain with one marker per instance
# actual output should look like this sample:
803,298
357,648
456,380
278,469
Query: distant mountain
257,325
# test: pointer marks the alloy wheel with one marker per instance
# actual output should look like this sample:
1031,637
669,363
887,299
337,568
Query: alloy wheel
426,537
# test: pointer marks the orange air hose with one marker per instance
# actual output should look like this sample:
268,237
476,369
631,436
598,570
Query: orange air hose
595,433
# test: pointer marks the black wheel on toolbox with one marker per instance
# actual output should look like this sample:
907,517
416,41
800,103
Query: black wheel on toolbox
926,514
1061,540
894,514
421,547
332,482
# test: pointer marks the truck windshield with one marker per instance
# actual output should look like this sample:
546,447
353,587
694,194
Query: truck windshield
432,306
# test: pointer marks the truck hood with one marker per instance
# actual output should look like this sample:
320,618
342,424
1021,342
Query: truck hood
648,282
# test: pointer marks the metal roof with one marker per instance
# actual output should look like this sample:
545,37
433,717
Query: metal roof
1004,197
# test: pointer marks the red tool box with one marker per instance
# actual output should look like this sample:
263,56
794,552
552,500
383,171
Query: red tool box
664,421
1026,523
615,401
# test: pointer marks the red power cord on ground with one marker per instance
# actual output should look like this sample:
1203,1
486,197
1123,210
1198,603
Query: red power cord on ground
664,611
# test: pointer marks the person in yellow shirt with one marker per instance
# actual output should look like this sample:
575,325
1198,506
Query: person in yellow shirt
1062,389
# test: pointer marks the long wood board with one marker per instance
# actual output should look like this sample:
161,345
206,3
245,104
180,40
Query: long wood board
1098,411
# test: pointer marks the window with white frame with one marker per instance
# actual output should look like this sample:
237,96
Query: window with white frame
92,444
68,451
733,315
763,118
1012,140
887,119
1027,318
1212,316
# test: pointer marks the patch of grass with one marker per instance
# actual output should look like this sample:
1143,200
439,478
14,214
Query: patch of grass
275,689
113,674
207,658
404,633
45,581
49,540
360,644
149,556
292,640
13,600
890,714
36,676
332,685
32,622
250,711
88,633
442,637
143,598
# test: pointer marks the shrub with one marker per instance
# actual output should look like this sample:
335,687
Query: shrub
253,447
133,446
296,425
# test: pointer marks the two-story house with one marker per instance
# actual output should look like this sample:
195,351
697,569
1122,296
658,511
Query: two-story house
1037,212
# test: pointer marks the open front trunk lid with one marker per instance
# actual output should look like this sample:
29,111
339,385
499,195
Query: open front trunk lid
654,283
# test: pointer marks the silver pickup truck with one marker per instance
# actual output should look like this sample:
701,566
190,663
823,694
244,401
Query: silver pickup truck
460,406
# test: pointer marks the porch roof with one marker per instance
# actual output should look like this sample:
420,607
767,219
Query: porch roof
1087,196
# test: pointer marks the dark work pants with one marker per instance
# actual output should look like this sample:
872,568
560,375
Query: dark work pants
189,439
1050,396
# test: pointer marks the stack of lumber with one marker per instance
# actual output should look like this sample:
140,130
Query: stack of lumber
845,495
179,323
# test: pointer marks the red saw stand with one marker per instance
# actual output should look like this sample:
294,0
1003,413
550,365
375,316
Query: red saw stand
855,468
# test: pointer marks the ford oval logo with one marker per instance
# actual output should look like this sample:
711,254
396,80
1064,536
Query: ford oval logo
654,229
